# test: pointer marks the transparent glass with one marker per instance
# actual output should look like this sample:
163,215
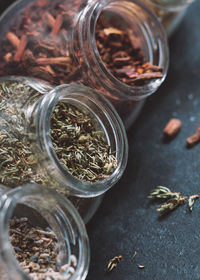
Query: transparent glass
169,13
43,207
55,40
27,152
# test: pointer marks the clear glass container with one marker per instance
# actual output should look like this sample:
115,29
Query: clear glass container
56,40
44,208
169,12
27,150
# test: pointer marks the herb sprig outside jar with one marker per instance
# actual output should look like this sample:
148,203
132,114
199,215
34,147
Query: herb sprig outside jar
116,47
68,137
41,236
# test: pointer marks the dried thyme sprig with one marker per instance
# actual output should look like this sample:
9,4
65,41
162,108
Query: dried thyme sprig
173,199
191,201
163,193
112,263
171,204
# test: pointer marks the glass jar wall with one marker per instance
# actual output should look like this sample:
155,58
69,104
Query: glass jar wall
68,137
52,227
170,13
67,41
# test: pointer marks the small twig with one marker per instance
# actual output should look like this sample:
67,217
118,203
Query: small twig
112,263
191,200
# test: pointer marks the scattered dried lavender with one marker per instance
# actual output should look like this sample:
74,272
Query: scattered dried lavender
37,251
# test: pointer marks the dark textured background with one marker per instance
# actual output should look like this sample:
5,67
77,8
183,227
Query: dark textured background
126,220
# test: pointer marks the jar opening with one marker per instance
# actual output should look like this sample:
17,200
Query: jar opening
84,140
41,235
128,45
173,6
80,141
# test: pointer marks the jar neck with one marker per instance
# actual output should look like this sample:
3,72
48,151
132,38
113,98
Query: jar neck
149,31
109,122
33,110
174,6
44,207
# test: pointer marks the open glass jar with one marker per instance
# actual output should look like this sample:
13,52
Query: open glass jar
50,231
170,13
68,137
115,46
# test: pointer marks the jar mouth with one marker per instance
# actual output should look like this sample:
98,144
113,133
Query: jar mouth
44,206
153,36
110,123
175,6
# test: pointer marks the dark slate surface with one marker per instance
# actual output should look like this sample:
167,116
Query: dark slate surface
126,221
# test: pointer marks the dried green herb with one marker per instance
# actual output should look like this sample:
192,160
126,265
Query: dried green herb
112,263
162,193
134,255
191,201
17,162
172,199
171,204
80,143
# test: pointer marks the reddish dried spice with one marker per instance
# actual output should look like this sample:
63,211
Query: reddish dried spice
172,127
194,139
121,52
37,42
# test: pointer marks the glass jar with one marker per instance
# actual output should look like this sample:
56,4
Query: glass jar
45,210
58,41
170,13
29,152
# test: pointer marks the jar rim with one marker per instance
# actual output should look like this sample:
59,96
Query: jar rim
51,96
175,6
69,218
87,26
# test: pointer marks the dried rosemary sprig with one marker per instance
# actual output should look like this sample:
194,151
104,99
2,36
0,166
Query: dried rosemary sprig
112,263
173,199
163,193
171,204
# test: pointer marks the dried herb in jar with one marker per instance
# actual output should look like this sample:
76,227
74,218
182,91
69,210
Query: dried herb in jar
37,42
121,53
37,251
80,144
17,161
77,138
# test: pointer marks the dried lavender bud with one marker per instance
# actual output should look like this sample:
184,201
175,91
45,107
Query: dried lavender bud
37,250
